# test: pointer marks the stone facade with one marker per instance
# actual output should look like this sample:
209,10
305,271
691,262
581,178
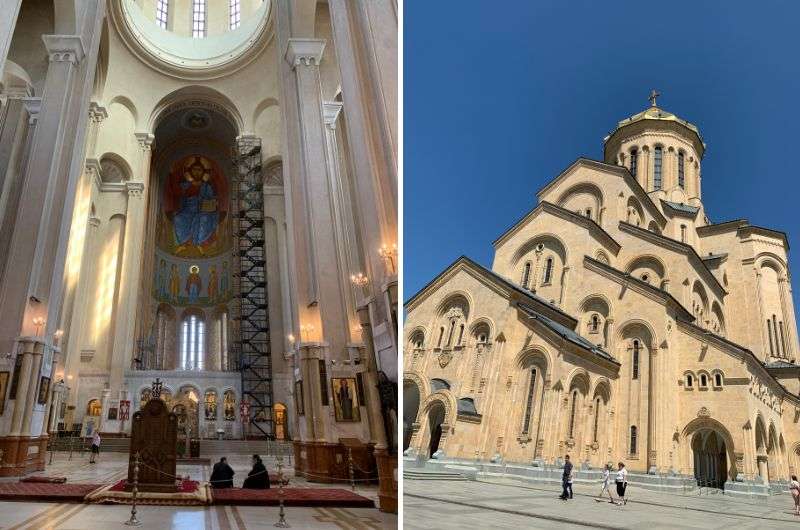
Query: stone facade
617,323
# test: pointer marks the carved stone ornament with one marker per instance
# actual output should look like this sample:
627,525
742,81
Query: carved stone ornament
703,413
445,358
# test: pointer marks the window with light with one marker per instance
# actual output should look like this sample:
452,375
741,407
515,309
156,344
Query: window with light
199,18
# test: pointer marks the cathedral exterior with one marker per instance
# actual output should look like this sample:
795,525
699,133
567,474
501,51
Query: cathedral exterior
202,192
617,323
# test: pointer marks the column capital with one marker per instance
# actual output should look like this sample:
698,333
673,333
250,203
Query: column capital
32,106
97,112
330,112
64,48
306,52
93,170
145,140
135,189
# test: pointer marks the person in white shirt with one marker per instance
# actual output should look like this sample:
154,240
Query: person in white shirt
794,489
606,481
95,447
622,483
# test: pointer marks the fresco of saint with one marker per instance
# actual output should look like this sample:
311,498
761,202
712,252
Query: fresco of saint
194,284
212,284
195,199
174,283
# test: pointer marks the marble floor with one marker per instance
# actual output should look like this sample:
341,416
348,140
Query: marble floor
112,467
500,504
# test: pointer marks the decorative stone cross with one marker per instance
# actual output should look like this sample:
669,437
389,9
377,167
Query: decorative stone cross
653,95
156,389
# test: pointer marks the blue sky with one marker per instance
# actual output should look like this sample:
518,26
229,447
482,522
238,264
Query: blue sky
500,96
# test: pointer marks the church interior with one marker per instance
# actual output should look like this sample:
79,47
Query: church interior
198,207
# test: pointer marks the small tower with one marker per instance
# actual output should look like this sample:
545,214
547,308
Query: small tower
662,151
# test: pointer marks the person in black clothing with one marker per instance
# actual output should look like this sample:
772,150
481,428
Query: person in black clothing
566,480
258,478
222,474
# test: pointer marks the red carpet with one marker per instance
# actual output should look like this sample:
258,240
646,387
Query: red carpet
186,486
32,491
291,497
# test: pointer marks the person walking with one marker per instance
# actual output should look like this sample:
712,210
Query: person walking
622,483
95,447
566,480
606,484
794,489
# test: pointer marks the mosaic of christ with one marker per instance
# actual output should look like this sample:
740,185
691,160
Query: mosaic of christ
194,209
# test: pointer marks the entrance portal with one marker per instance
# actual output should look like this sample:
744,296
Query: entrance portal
710,459
435,420
410,411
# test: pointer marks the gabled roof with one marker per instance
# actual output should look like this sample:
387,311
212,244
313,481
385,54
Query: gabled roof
548,207
620,171
681,209
568,334
499,282
628,279
668,242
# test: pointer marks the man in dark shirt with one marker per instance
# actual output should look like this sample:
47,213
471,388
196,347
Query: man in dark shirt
566,480
258,478
222,474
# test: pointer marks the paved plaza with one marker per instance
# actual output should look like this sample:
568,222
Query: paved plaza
112,467
504,505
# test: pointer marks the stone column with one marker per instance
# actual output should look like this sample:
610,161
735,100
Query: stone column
127,302
35,357
325,299
310,355
652,444
564,278
376,427
8,21
346,251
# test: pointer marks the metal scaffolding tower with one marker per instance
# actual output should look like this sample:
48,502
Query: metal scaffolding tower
251,340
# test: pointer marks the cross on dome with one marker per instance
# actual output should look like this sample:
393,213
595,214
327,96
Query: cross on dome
653,95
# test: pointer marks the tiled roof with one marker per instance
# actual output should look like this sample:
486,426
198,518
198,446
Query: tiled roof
567,333
780,364
682,207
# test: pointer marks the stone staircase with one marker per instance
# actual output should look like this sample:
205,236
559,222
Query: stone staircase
245,447
420,474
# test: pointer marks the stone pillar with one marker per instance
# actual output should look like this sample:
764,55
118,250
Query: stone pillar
310,355
32,386
325,306
376,426
124,328
8,21
346,252
564,278
789,321
765,338
13,166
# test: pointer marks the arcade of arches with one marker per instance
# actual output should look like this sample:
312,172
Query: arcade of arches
189,204
617,323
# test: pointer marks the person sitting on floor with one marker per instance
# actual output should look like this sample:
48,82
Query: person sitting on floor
258,478
222,474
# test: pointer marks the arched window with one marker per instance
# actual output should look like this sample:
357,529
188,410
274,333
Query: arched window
596,419
769,334
775,332
162,13
548,271
783,338
199,18
634,436
94,408
589,213
657,159
718,380
703,380
634,161
681,174
222,333
441,335
193,333
450,334
594,324
689,381
526,275
526,423
683,233
635,363
235,14
460,335
572,413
